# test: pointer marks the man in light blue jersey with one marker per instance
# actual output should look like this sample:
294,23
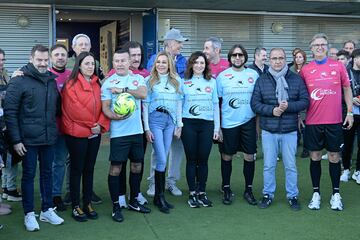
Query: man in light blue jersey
126,141
238,122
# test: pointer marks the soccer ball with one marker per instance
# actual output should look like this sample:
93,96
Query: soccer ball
124,104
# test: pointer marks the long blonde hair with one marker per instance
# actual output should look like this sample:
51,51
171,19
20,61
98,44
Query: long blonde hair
154,75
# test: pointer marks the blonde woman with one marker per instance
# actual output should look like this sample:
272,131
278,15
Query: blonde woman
162,118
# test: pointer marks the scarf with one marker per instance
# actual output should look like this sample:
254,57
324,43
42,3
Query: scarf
281,84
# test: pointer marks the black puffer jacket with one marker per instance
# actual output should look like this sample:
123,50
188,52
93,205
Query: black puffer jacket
31,104
264,100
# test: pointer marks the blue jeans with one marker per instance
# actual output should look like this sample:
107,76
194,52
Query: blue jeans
9,174
162,127
45,154
58,173
272,144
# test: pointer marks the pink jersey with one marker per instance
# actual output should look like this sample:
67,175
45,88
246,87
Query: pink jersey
324,83
143,72
61,77
219,67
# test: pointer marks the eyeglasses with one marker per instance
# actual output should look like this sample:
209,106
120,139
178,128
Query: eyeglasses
237,55
277,59
319,45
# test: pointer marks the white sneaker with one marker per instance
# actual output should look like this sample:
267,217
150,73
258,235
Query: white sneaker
345,176
151,190
315,201
325,157
50,216
141,199
122,201
335,202
174,190
30,222
356,176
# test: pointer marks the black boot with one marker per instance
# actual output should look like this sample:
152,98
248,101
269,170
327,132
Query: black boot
159,198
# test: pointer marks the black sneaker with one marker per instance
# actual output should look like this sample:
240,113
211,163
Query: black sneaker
95,199
4,194
67,199
58,203
203,199
228,196
137,207
116,213
294,204
90,212
78,214
193,201
265,201
249,197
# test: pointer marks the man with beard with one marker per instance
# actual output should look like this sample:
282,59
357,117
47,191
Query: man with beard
212,49
30,115
58,57
260,57
238,122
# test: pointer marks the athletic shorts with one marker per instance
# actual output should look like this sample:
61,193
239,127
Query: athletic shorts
239,139
328,136
128,147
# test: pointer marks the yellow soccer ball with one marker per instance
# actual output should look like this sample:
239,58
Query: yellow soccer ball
125,104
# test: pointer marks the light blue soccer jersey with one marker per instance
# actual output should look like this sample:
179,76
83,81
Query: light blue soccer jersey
163,95
199,98
235,89
132,125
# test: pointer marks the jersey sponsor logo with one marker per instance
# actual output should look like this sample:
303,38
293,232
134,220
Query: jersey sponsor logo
193,110
188,82
135,83
228,75
323,74
234,103
116,81
208,89
333,72
319,93
198,90
313,71
250,80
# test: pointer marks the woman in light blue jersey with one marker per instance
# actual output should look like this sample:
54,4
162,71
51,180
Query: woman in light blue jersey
162,118
201,120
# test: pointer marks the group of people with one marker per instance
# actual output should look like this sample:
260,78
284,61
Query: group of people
56,115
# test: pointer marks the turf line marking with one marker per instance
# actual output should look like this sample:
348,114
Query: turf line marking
151,228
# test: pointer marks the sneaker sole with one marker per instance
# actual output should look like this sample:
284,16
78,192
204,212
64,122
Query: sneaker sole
192,206
314,208
4,196
52,223
205,205
32,230
14,199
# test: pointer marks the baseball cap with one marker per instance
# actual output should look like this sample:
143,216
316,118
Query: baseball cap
174,34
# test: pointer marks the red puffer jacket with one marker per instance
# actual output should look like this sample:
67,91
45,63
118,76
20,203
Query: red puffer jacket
81,107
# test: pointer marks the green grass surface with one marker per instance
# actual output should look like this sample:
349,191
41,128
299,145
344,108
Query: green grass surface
237,221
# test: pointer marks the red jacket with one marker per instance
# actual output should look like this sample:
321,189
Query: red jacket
81,107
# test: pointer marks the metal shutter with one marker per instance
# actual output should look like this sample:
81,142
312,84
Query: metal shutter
232,28
16,41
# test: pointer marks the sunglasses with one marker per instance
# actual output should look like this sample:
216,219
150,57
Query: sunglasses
237,55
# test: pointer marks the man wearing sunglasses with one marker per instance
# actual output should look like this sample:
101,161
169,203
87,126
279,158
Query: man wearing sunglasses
235,86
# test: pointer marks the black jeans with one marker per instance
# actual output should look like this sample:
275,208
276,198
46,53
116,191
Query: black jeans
197,137
83,153
349,136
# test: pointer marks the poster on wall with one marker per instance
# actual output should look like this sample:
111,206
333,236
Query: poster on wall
107,45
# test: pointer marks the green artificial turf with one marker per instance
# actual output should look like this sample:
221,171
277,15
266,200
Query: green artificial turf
237,221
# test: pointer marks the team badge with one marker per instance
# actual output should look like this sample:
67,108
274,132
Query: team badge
135,83
208,89
250,80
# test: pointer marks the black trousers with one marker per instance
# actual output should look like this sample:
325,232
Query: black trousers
197,137
349,137
83,153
